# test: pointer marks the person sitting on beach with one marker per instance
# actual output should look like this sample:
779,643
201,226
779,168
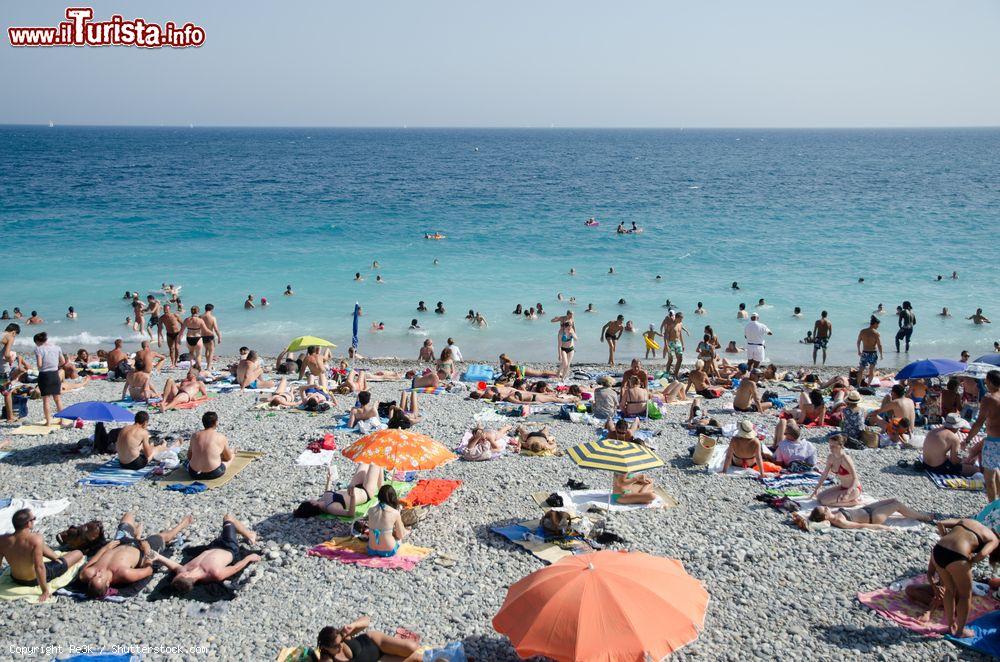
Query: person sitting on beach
446,364
128,558
25,552
896,408
839,463
250,374
811,409
635,397
385,524
190,388
152,359
790,450
622,430
535,441
951,397
138,384
746,398
963,544
872,516
356,643
216,564
132,443
941,450
427,351
209,454
635,369
628,489
606,399
364,412
697,381
118,365
745,450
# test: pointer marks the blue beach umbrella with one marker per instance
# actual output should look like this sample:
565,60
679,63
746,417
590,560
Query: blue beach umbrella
97,411
930,368
354,338
992,359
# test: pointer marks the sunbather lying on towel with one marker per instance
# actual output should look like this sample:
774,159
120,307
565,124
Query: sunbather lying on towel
509,394
872,516
536,441
216,563
26,551
406,414
628,489
496,440
128,558
364,484
316,398
189,389
284,396
356,643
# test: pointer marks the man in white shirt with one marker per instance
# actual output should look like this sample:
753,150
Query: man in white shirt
49,359
456,353
755,332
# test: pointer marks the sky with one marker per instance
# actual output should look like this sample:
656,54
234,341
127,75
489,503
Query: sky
520,63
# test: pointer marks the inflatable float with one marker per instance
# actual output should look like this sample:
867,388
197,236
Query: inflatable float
650,343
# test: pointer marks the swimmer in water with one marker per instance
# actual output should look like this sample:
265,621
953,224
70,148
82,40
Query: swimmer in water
440,308
735,285
357,276
861,281
288,291
378,279
435,263
590,308
944,313
572,271
668,304
659,277
761,303
375,264
611,271
414,326
954,275
621,302
700,310
421,308
797,312
879,311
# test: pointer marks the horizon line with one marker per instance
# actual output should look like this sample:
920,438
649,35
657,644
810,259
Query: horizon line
900,127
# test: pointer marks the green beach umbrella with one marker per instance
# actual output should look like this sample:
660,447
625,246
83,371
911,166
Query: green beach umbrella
302,342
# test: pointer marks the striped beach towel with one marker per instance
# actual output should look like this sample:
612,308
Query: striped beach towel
430,390
111,474
952,482
794,480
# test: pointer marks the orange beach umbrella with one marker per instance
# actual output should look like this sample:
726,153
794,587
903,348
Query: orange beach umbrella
399,450
608,606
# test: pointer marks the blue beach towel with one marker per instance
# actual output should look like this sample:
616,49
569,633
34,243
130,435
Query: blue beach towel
987,637
187,488
111,474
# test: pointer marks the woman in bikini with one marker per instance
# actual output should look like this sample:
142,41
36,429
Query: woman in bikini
567,347
744,450
189,389
848,493
385,524
535,441
811,410
963,544
872,516
194,329
363,485
635,398
629,489
356,643
283,396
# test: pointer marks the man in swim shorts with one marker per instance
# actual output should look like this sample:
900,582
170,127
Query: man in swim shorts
673,335
210,453
941,448
172,327
217,563
610,333
132,444
869,346
822,330
989,448
25,553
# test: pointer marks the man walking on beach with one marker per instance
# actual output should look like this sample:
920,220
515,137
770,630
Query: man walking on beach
610,333
869,349
755,332
989,448
49,358
673,339
154,309
209,341
907,319
822,331
172,325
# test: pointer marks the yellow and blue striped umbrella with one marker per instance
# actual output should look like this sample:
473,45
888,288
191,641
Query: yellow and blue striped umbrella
614,455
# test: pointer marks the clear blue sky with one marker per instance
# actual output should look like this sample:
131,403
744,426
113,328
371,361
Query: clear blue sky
645,63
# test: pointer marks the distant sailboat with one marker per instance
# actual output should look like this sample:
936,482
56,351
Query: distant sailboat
51,124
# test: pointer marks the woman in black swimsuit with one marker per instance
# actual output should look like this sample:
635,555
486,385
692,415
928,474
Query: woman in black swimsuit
356,643
963,544
363,486
872,516
194,329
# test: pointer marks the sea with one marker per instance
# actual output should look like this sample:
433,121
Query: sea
796,217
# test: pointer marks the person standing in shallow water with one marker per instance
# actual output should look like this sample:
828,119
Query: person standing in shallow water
610,333
822,331
906,320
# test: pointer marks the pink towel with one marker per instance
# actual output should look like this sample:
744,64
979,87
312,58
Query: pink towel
352,551
894,606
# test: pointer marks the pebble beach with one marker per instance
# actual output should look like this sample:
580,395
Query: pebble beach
775,592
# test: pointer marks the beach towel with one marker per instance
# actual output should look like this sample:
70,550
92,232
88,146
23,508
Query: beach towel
799,483
718,458
528,535
987,637
187,488
431,492
354,551
361,509
903,523
478,454
342,425
311,459
296,654
111,474
11,591
544,453
239,463
40,509
893,605
579,501
953,482
190,404
36,429
429,390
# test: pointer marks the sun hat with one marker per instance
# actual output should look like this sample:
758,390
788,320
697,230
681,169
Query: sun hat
745,431
606,381
853,398
955,422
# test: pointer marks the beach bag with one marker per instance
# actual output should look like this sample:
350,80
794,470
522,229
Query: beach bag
88,537
869,437
703,450
652,411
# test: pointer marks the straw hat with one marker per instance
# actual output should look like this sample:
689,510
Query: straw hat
955,422
853,399
745,431
606,381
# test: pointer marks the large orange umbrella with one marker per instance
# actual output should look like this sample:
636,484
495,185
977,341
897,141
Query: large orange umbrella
608,606
399,450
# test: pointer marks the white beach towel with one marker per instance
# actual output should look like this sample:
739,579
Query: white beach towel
902,523
39,509
580,501
310,459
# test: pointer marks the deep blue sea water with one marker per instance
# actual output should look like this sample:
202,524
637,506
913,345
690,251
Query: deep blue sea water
795,216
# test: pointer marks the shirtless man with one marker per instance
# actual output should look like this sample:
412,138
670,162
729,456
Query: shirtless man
177,394
210,453
635,368
673,337
115,358
138,384
249,373
942,446
25,552
315,363
668,321
213,337
155,309
7,354
747,397
869,346
697,381
365,412
194,329
898,407
216,564
128,558
822,331
134,449
172,327
989,449
152,360
610,333
979,318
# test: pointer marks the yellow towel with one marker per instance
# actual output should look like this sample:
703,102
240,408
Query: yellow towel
11,591
239,463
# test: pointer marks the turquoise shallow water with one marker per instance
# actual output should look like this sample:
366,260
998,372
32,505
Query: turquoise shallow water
794,216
